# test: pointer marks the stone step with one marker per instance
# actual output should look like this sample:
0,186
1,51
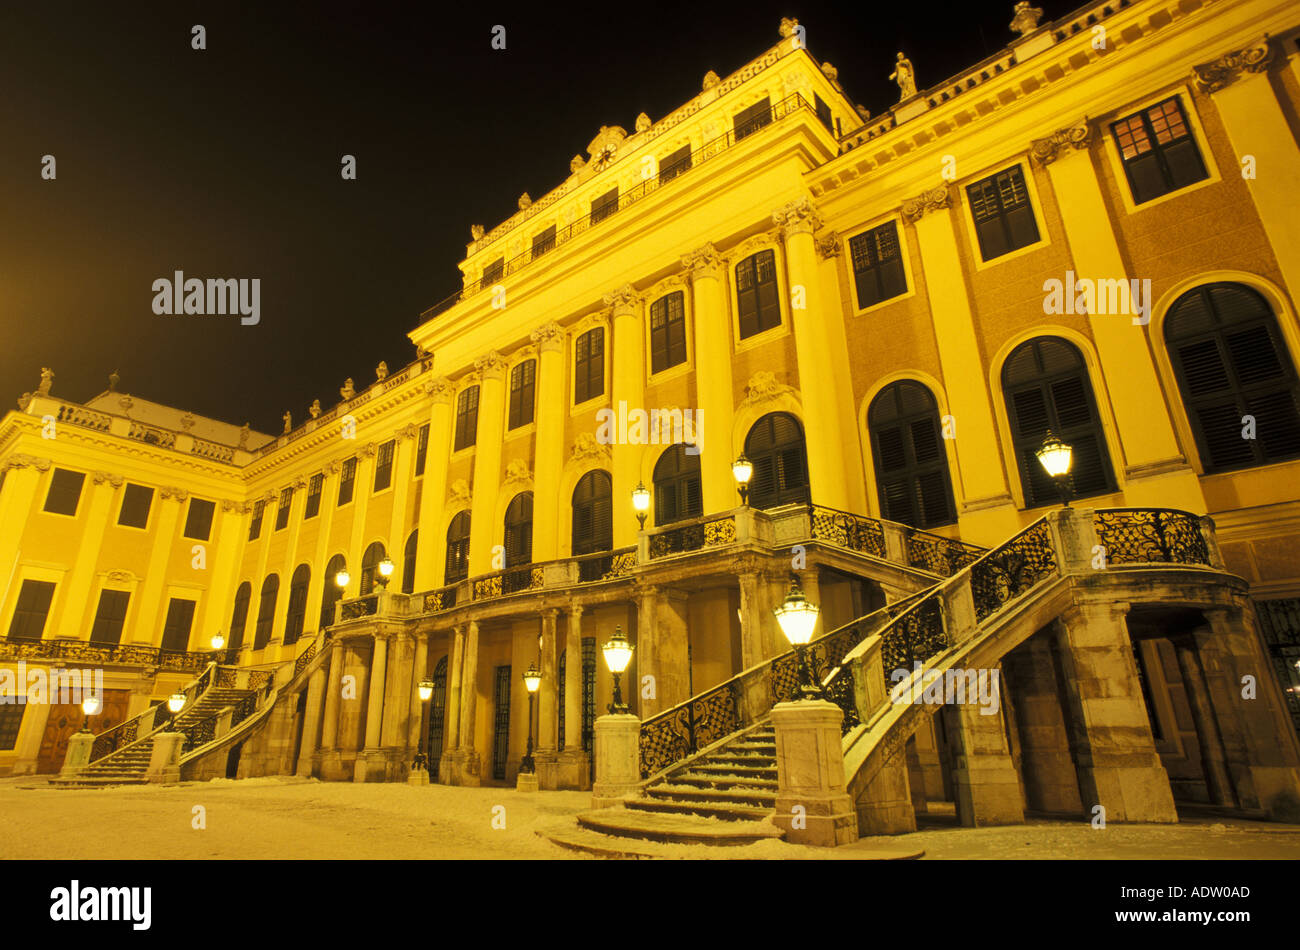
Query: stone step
738,758
722,811
688,793
676,829
736,771
717,781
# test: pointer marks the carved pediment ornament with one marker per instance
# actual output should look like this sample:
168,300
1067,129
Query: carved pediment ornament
1044,151
711,79
1228,68
585,446
491,365
233,507
763,387
549,336
933,200
798,217
517,473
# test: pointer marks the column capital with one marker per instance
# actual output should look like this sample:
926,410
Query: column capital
1228,68
704,261
625,301
551,613
1046,150
934,199
171,491
575,611
828,245
367,451
233,507
441,389
407,432
549,337
797,217
334,467
100,477
25,461
491,366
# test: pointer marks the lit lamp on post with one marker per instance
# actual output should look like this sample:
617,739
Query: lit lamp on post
421,761
743,470
342,579
797,617
175,703
385,573
89,707
1056,458
218,642
641,502
618,654
532,680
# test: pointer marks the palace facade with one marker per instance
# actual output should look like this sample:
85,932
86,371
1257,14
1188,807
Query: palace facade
860,306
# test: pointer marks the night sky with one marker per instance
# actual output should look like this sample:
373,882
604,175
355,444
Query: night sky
226,163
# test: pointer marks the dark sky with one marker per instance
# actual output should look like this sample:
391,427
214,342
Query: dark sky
225,163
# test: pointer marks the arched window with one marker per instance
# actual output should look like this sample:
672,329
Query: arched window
775,446
331,593
239,618
457,568
1232,363
408,562
370,566
1045,382
519,530
297,617
911,465
677,486
593,526
266,611
437,715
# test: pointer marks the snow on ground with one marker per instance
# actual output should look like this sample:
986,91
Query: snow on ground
296,818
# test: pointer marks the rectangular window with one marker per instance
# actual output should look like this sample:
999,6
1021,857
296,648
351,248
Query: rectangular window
675,163
501,723
589,366
543,242
176,628
748,121
347,477
32,609
466,418
522,385
604,206
110,616
384,466
255,526
314,488
282,512
1004,219
136,501
493,272
1158,151
198,520
877,265
11,719
667,332
756,293
65,492
823,112
422,450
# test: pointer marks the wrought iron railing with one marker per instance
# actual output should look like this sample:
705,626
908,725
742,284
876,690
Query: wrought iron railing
109,654
510,581
937,554
125,733
1150,536
695,536
360,607
710,149
442,599
846,530
605,565
1012,568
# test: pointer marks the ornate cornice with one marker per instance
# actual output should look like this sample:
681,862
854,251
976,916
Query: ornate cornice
797,217
549,337
934,199
624,301
490,365
1044,151
441,389
100,478
1228,68
26,461
704,261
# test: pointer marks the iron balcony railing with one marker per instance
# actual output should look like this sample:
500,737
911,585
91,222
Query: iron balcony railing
112,654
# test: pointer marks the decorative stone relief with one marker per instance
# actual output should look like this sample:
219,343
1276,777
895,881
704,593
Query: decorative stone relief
798,217
367,451
26,461
763,387
933,200
171,491
517,473
187,421
458,496
603,149
233,507
407,432
549,336
586,447
1228,68
1025,18
121,577
828,245
1044,151
788,27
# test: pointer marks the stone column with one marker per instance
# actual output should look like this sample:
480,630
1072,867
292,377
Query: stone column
153,589
403,478
451,726
1213,759
484,529
751,620
369,764
397,705
31,732
430,546
311,724
1046,763
415,737
546,756
713,377
548,462
1156,472
985,506
466,758
985,783
574,765
228,533
627,390
648,656
827,442
1118,766
75,601
812,803
17,501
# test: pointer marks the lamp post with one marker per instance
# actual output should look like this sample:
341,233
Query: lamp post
342,579
618,654
797,617
742,470
532,680
641,502
1056,458
385,573
175,703
421,761
89,707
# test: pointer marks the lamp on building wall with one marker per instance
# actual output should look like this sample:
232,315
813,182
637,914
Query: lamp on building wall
743,470
641,502
421,761
1057,457
218,640
342,579
797,617
90,707
385,572
618,654
175,703
532,680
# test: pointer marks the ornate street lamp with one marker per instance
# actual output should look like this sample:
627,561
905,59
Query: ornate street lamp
90,707
618,654
342,579
641,502
421,761
743,470
532,680
797,617
218,640
175,703
1056,458
385,572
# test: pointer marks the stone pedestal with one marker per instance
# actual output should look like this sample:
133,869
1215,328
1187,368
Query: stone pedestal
618,762
573,770
418,776
812,803
526,782
165,763
459,767
371,766
78,756
548,770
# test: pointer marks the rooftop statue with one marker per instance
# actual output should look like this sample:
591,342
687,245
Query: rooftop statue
314,410
113,380
1025,19
711,79
288,422
577,164
244,431
642,122
348,390
47,380
906,77
476,232
381,371
525,201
